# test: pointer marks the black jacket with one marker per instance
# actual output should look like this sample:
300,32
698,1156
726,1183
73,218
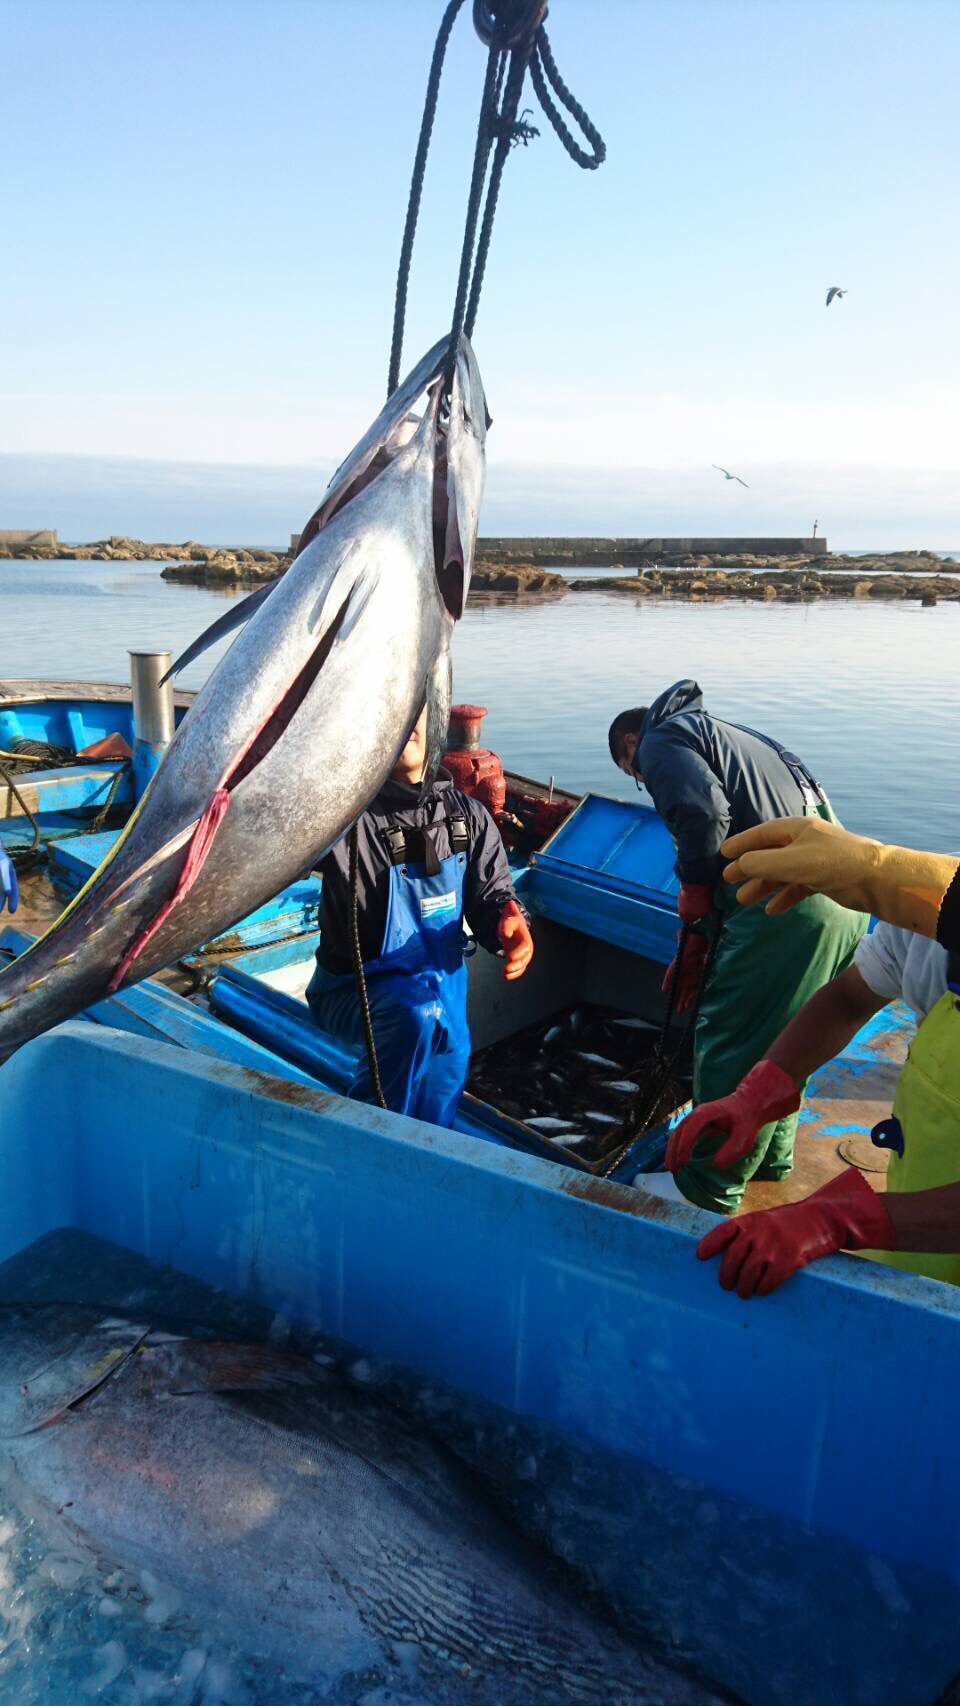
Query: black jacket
487,884
709,779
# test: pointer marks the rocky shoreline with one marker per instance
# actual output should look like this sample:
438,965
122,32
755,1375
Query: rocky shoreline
919,575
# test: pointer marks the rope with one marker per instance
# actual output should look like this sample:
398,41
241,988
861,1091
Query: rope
23,857
416,191
663,1065
364,999
543,70
514,33
30,851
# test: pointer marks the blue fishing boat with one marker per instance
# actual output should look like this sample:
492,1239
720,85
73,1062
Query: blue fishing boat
70,755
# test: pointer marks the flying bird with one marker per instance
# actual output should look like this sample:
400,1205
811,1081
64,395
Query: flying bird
728,476
834,291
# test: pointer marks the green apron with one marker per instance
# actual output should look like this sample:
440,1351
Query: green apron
927,1105
764,971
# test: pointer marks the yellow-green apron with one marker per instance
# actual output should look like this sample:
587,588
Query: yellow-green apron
927,1106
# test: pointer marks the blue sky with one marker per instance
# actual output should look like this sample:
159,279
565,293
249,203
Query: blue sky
208,200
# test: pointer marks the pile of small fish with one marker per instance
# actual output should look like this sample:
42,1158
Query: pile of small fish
579,1079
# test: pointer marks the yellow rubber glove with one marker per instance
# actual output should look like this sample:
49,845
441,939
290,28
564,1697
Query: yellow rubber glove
793,857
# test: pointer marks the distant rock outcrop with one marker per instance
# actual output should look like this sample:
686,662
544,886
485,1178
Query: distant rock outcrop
922,575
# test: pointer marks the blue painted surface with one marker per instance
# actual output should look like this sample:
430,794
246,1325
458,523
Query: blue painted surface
147,759
609,871
73,723
590,1314
291,912
70,790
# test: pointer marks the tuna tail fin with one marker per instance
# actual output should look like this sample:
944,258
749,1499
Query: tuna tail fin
218,630
439,692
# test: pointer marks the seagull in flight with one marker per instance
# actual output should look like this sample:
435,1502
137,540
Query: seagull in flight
834,291
728,476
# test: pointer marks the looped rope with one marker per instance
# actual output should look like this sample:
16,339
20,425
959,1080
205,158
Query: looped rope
543,65
514,33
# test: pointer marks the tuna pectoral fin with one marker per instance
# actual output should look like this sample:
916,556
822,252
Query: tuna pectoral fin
202,1365
439,691
234,618
55,1356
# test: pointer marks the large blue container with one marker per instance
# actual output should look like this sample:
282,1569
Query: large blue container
823,1417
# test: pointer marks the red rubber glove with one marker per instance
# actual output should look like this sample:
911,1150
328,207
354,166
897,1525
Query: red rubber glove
694,901
691,971
764,1248
515,939
765,1093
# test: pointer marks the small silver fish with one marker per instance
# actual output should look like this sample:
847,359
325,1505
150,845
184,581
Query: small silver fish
545,1122
596,1059
554,1032
600,1119
623,1086
634,1024
571,1140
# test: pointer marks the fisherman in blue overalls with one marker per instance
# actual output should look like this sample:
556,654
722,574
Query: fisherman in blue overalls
428,857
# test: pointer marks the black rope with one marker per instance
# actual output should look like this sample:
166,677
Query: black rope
364,999
543,70
416,190
24,857
664,1065
507,119
28,852
486,129
515,35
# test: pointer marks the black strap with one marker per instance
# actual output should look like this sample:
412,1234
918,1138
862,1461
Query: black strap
417,845
803,777
457,833
395,838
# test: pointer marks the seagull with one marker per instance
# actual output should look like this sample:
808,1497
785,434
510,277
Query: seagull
727,476
834,291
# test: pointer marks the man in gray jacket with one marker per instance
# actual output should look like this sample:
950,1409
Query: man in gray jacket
709,779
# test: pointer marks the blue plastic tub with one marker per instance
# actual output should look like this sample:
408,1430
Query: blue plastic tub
826,1414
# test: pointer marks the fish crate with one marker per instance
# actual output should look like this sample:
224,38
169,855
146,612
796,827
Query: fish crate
590,1081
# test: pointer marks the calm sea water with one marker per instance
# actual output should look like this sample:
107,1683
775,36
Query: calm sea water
867,693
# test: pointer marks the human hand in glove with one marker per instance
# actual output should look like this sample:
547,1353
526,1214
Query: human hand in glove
793,857
692,968
765,1093
515,940
762,1249
9,890
694,901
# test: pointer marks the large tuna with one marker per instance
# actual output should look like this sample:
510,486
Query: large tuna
329,1536
301,722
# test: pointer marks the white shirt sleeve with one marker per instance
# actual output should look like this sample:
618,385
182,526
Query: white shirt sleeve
880,959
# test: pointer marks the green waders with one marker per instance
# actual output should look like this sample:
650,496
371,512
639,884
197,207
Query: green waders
764,970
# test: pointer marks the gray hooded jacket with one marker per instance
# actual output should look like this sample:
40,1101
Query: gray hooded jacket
709,779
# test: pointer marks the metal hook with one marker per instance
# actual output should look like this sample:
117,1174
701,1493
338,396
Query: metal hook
526,18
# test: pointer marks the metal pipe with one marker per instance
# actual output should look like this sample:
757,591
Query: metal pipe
153,721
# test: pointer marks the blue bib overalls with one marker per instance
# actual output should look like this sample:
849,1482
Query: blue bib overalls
417,987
